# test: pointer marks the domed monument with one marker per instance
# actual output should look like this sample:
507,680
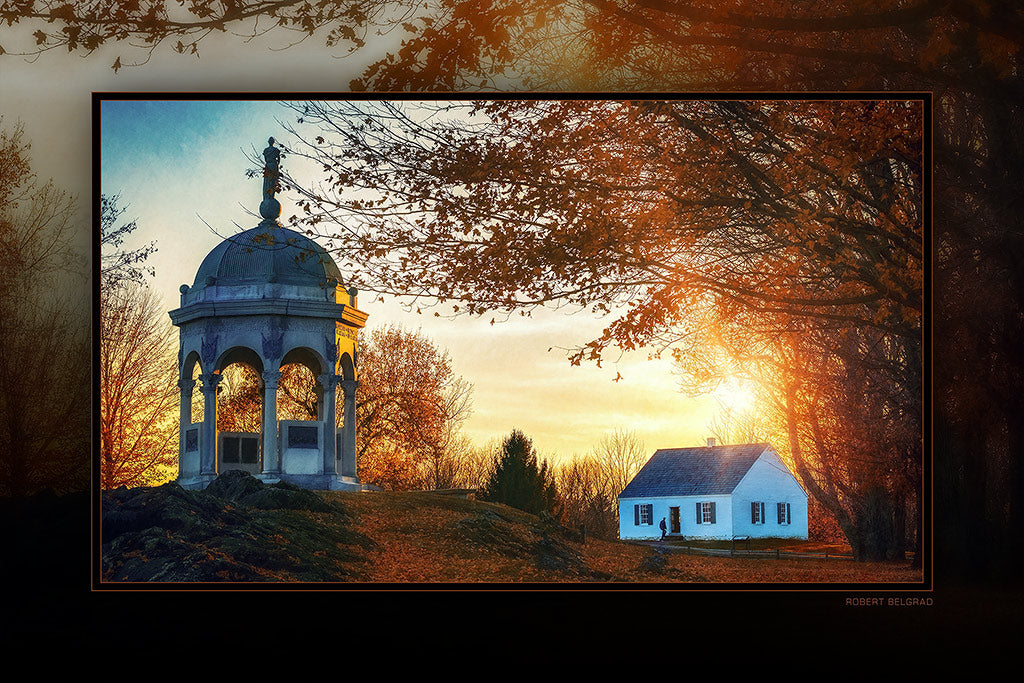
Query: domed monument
267,297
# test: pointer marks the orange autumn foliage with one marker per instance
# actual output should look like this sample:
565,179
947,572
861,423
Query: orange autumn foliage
580,44
409,406
800,209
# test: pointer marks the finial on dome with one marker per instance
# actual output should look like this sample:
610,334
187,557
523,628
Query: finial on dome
270,208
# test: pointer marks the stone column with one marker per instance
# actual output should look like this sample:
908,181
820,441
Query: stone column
184,412
348,434
318,389
328,382
271,452
208,448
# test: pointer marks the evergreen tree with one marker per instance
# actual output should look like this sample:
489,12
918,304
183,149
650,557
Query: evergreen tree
517,481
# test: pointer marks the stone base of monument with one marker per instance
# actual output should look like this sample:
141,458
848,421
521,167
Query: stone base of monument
323,482
347,484
195,482
317,482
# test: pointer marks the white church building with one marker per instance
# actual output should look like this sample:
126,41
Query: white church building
714,492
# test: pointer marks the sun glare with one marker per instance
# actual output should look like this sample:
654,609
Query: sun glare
736,395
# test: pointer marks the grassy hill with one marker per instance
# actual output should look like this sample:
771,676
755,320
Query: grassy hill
240,530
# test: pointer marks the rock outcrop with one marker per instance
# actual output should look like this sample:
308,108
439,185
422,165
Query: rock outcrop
237,529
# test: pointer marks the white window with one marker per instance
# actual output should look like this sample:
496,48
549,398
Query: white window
757,513
784,516
705,513
708,513
647,514
643,514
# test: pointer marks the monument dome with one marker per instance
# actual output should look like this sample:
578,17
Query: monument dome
269,297
268,253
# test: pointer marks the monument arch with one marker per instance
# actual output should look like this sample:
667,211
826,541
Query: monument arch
267,297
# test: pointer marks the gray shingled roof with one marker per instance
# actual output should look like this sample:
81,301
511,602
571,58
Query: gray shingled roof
693,471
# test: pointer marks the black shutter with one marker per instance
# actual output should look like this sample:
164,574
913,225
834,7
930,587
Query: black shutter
712,513
636,515
788,520
650,515
763,520
700,516
753,513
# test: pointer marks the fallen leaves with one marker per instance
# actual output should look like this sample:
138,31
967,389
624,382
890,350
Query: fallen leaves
426,538
419,541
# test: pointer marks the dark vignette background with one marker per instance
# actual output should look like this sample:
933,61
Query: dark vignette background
977,599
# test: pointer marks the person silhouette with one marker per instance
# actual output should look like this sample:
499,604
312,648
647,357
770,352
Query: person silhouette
662,527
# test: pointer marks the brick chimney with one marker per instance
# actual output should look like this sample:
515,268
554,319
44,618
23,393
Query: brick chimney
711,441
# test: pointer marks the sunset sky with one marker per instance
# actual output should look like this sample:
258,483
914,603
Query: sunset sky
180,166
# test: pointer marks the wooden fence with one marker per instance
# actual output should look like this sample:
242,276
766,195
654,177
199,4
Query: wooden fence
764,554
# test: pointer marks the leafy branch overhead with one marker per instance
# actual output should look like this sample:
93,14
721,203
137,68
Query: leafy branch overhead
544,44
966,53
119,266
652,211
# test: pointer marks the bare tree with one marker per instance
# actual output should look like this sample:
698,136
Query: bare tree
44,385
732,426
138,394
586,497
447,463
138,425
118,265
620,454
589,485
447,450
477,463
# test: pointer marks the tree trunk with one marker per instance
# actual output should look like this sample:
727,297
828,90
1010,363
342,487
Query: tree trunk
960,524
898,549
830,502
876,525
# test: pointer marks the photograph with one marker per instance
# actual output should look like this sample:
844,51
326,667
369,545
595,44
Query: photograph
428,316
687,343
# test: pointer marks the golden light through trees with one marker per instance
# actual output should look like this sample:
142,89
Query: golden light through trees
768,244
736,396
138,394
967,54
778,244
